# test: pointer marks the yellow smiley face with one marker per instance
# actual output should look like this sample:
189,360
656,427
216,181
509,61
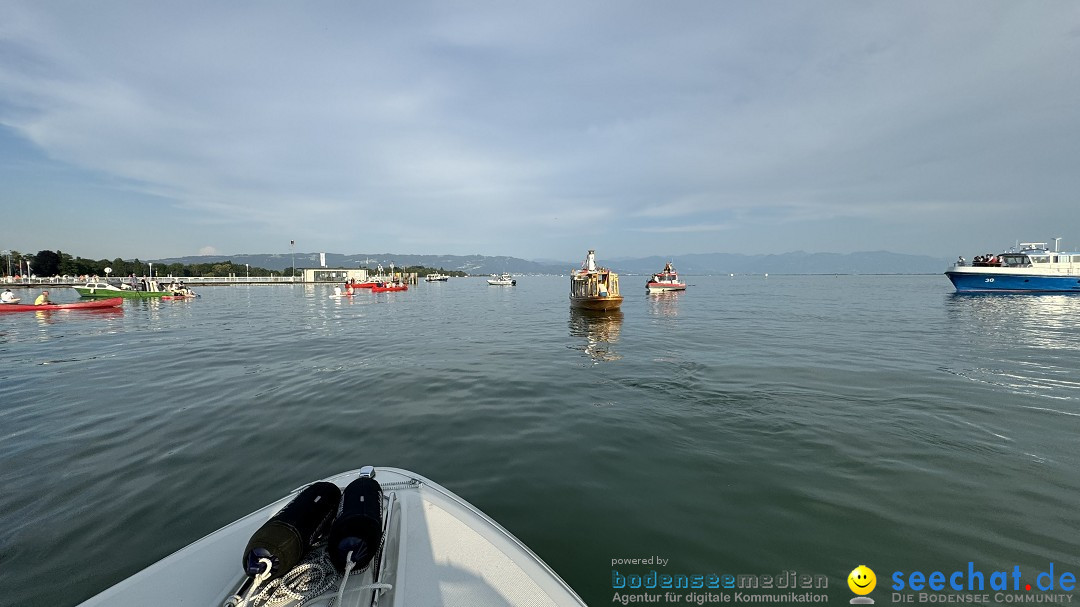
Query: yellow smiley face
862,580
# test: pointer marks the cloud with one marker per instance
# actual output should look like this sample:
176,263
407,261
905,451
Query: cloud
685,228
376,127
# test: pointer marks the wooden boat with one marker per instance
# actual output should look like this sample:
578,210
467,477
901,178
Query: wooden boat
665,280
392,538
594,288
383,287
79,305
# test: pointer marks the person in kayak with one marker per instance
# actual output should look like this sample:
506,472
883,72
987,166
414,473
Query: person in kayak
8,297
42,299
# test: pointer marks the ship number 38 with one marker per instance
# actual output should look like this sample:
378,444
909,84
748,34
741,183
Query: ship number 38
989,280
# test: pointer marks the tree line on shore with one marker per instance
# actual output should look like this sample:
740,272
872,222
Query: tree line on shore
58,263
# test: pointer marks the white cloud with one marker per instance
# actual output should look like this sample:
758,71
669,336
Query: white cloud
712,117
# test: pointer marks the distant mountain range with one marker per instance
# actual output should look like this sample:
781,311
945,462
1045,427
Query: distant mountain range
872,262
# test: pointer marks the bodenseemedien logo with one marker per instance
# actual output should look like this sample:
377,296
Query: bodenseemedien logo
862,581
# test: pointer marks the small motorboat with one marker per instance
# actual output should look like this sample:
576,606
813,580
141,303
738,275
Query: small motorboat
436,277
369,281
178,290
383,287
96,304
143,289
503,279
385,536
665,280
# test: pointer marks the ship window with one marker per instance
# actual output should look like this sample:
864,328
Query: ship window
1039,258
1054,259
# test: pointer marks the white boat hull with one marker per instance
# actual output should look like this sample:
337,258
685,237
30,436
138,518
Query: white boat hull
662,287
439,550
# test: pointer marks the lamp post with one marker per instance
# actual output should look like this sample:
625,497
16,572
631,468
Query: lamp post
292,249
247,270
151,269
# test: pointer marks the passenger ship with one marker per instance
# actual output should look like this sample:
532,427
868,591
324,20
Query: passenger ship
594,288
1034,268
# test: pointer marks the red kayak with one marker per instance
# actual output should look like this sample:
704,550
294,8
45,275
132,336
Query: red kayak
114,302
360,285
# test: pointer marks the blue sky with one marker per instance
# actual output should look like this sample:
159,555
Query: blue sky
538,130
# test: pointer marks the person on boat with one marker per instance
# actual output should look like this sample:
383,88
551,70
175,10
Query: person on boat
42,299
7,297
349,289
960,261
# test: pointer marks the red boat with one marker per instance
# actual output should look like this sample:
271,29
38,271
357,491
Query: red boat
665,280
361,285
382,287
114,302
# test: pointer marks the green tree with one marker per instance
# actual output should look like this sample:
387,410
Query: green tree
46,263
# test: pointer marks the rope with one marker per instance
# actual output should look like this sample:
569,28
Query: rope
345,579
349,564
311,578
259,579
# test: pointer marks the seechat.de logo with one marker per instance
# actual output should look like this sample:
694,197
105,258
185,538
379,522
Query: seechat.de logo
862,581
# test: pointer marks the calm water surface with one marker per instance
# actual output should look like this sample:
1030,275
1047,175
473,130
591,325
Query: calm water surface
748,425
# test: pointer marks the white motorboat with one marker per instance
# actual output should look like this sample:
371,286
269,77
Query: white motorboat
665,280
436,277
503,279
397,540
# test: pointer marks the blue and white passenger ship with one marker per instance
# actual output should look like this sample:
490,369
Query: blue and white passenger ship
1033,268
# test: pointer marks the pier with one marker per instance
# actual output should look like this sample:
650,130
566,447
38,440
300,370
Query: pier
59,282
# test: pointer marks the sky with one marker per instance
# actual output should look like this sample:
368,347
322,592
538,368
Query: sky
538,130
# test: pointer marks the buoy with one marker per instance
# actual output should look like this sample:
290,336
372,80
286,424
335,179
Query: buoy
358,529
289,534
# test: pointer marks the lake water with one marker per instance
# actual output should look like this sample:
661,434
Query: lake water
749,425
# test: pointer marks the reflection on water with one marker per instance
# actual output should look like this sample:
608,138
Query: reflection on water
1024,343
664,303
600,328
49,317
1045,321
